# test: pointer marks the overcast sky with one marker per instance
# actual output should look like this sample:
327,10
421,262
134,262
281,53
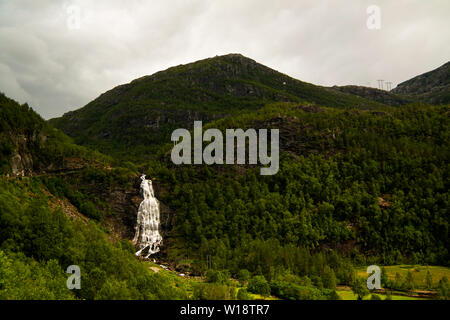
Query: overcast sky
58,62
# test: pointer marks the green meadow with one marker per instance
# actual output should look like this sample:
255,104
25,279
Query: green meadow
419,273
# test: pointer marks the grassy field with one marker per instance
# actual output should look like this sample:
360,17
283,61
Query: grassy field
419,276
188,282
419,273
349,295
260,297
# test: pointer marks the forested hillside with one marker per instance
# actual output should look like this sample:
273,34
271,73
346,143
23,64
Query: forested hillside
432,87
360,182
372,185
47,225
28,144
139,116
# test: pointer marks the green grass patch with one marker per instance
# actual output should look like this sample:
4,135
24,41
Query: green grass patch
419,273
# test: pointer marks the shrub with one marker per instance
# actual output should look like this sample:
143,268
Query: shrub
259,285
444,289
212,291
215,276
291,291
243,294
244,275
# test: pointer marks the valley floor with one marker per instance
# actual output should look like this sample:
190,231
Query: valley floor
345,293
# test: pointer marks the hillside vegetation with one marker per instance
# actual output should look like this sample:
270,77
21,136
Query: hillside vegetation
28,144
132,120
360,183
39,238
432,87
372,184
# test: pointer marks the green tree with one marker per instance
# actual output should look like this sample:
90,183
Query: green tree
244,275
388,295
259,285
216,276
443,289
114,290
243,294
429,280
384,278
398,281
329,278
359,287
409,281
212,291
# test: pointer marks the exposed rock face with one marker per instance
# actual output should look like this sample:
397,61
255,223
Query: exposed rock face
432,87
26,151
124,203
68,208
294,139
21,165
161,117
25,146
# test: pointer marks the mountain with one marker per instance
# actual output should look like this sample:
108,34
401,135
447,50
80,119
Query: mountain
359,183
381,96
30,145
431,87
133,119
350,180
56,200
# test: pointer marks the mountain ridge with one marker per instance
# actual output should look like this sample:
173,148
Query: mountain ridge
146,110
382,96
431,87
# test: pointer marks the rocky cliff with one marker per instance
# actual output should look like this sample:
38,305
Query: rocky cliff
432,87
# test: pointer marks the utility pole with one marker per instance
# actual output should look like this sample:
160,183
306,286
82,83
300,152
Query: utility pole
380,84
208,262
388,85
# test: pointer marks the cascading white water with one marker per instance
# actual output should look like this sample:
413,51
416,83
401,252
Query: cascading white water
147,238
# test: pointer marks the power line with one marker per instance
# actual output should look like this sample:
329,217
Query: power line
380,84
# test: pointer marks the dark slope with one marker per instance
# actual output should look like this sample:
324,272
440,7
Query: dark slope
432,87
374,94
55,217
30,145
140,114
368,181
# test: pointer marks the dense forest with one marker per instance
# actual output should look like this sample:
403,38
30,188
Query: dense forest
359,183
372,185
38,241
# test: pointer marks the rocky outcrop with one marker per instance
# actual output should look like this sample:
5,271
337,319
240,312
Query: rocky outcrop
24,148
21,165
120,203
378,95
432,87
124,204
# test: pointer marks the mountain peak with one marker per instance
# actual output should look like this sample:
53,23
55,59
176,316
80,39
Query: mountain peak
232,55
145,110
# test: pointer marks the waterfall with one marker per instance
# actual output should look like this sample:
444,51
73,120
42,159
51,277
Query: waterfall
147,238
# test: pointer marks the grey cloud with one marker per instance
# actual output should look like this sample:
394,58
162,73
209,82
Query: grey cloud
324,42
